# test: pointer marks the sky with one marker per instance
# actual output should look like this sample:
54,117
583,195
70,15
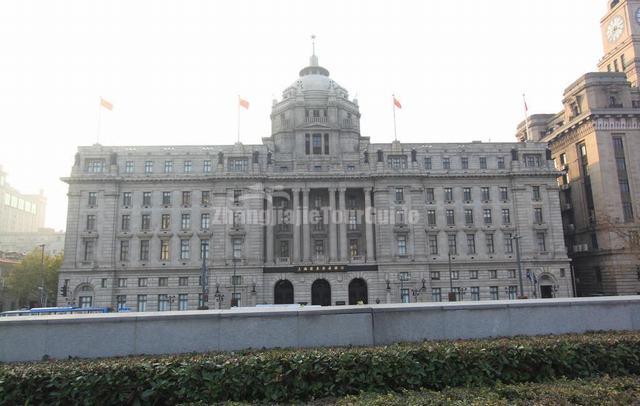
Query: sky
173,70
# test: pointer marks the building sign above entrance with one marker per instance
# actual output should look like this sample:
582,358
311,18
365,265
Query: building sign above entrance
320,268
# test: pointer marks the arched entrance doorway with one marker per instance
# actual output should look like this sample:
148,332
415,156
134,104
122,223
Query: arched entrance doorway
283,292
321,293
358,291
546,287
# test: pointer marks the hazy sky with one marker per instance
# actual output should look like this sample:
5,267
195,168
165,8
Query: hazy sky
173,70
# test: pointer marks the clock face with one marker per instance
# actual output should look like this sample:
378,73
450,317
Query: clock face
615,29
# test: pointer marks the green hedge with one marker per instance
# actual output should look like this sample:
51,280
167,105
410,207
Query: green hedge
601,391
312,374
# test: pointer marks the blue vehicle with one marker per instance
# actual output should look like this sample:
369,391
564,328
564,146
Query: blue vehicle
46,311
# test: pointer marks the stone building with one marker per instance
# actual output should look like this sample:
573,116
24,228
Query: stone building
595,140
20,213
316,214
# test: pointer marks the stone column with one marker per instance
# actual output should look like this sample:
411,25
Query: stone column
343,225
296,226
269,218
333,236
368,218
306,234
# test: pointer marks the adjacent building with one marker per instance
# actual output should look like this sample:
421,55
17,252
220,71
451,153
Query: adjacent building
26,242
315,214
595,142
20,213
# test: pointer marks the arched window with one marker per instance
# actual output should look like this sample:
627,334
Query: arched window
283,292
321,293
358,292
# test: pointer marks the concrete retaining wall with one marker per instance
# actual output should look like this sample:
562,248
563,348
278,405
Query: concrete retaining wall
105,335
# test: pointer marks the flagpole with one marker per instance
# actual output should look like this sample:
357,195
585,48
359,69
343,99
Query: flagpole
99,121
238,118
526,117
395,132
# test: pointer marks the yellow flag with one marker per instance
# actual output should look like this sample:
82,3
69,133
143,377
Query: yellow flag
106,104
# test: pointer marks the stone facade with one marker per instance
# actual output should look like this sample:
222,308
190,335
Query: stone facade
316,214
595,142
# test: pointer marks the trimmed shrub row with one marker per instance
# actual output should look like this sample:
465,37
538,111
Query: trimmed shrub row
279,376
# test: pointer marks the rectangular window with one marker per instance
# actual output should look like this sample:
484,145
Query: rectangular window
186,199
542,245
448,194
148,166
91,222
468,216
128,167
490,245
168,166
144,250
183,301
500,162
473,274
124,250
163,282
397,161
436,294
508,244
446,163
483,162
188,166
236,299
318,247
163,303
471,244
164,250
85,301
466,194
122,282
353,248
146,222
307,144
238,164
465,162
535,190
430,195
142,303
185,249
452,243
486,194
205,198
400,219
143,282
504,194
404,295
95,165
205,220
121,302
451,219
486,215
493,274
93,199
455,275
513,292
506,217
402,245
435,275
495,294
433,244
532,160
185,222
317,144
512,273
236,245
204,249
537,215
88,250
326,144
237,196
475,293
399,195
165,222
206,166
126,199
427,164
183,281
146,198
166,198
431,217
103,283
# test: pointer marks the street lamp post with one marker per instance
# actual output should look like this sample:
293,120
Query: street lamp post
417,292
42,303
452,295
171,300
234,300
521,287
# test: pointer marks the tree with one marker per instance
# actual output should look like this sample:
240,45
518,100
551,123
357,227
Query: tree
24,280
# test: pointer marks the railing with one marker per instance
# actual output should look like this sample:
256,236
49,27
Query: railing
315,119
349,123
357,259
283,260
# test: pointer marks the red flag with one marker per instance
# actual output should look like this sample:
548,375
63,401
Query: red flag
107,105
243,103
396,102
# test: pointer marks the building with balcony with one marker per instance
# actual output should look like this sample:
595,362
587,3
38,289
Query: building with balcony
594,141
315,214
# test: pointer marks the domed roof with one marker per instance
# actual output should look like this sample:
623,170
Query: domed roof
315,78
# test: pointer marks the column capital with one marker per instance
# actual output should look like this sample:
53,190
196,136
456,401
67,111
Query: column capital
342,189
295,189
306,190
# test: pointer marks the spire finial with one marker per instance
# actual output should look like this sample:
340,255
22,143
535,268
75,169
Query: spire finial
313,61
313,44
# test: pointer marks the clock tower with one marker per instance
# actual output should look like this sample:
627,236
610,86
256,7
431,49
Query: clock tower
621,39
